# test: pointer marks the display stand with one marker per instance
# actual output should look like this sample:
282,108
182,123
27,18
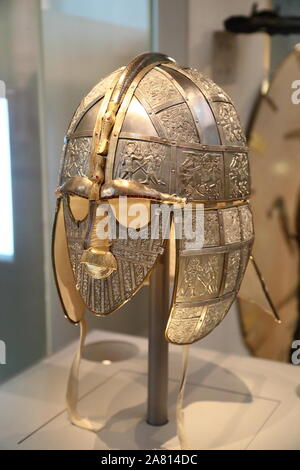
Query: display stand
157,411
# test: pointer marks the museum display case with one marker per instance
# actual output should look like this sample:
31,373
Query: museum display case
150,206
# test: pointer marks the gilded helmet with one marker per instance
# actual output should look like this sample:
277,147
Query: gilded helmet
158,134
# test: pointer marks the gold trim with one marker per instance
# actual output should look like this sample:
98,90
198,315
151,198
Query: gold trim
70,299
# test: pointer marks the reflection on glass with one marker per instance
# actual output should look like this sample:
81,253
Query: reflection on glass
6,227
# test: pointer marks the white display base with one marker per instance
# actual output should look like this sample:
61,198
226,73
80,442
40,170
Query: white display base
231,402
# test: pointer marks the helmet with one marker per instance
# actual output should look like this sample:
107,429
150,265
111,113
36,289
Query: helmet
172,130
160,133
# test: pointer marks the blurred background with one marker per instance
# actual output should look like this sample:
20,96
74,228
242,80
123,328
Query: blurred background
52,53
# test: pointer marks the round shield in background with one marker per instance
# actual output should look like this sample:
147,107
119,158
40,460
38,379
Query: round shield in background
275,172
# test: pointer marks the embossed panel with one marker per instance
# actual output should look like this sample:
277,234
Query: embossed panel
184,323
246,222
199,277
146,162
181,332
245,253
76,162
231,224
232,270
178,124
158,90
200,175
229,124
238,175
211,230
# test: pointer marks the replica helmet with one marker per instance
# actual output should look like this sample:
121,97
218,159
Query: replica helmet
157,133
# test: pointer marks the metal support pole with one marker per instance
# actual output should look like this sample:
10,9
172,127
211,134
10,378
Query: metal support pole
157,413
